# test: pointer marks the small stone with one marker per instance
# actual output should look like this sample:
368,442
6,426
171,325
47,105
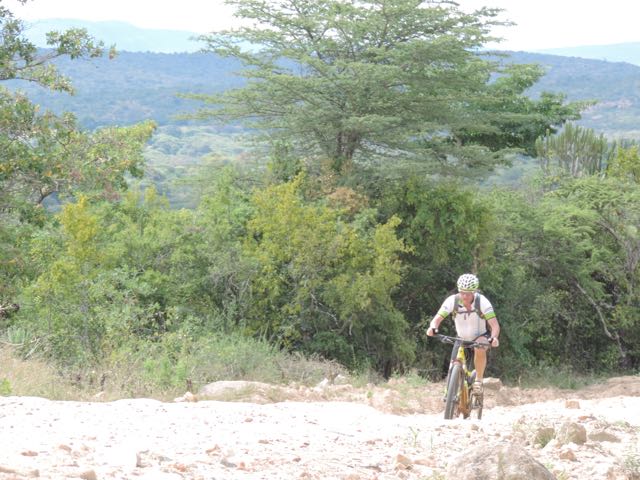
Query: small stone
492,384
187,397
227,463
213,450
568,455
572,432
403,461
88,475
426,462
603,436
544,435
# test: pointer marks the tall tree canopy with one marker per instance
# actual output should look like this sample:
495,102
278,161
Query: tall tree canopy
403,78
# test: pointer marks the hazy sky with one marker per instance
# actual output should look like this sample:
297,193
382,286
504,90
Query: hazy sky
540,23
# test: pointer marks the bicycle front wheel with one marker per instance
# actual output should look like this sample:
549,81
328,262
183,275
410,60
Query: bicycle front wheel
454,387
478,403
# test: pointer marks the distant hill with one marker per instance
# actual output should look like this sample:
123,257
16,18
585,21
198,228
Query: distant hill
134,39
136,86
143,83
614,85
619,52
125,36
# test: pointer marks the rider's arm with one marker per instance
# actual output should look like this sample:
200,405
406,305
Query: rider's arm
433,326
494,326
445,310
492,321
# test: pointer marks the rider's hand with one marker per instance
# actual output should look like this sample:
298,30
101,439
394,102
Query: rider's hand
495,342
431,331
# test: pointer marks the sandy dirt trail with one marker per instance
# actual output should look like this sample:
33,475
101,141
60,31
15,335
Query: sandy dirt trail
374,435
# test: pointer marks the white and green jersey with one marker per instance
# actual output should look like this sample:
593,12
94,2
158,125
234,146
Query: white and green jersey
470,324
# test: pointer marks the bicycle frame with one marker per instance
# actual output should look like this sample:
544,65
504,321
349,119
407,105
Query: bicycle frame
459,397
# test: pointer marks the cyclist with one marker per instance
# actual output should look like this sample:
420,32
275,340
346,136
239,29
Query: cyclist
472,314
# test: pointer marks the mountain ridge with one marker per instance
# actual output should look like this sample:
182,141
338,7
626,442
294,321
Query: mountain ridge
628,52
125,36
128,37
136,86
140,85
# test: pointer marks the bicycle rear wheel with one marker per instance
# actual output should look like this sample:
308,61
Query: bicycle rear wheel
454,386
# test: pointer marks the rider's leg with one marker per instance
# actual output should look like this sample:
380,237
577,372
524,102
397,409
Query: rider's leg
480,358
480,362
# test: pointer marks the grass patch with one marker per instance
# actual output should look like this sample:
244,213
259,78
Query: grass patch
162,370
631,466
545,376
33,378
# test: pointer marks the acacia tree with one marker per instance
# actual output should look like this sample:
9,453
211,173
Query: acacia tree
402,78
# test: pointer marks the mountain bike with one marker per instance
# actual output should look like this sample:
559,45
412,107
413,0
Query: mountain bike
460,399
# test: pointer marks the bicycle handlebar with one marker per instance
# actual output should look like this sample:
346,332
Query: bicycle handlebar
464,343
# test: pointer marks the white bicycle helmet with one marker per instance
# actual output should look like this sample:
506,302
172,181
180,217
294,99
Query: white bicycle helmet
468,283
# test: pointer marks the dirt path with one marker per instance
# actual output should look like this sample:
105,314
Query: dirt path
375,435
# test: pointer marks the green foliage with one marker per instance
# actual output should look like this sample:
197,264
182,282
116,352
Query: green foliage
447,230
567,260
512,120
178,357
5,387
14,263
335,282
625,165
134,269
64,294
341,80
80,299
42,155
564,377
219,278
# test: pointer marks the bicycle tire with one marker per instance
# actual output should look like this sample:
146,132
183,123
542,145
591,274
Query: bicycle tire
453,390
480,405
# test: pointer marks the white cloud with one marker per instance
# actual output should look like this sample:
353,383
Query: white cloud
191,15
564,23
540,23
